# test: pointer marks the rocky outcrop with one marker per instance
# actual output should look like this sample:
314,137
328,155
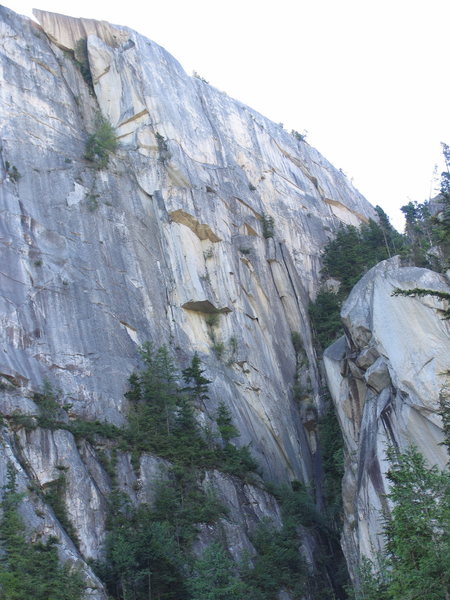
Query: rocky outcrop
42,456
385,377
96,262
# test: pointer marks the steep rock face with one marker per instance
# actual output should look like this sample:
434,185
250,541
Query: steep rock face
385,377
41,456
96,262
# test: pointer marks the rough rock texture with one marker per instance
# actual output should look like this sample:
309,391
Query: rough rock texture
40,456
96,262
385,378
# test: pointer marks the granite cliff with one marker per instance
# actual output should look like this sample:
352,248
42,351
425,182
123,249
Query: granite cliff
386,377
204,233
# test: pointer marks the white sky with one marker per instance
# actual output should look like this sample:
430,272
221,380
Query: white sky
368,79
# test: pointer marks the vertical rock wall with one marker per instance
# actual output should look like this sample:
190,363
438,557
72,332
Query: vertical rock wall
96,262
386,377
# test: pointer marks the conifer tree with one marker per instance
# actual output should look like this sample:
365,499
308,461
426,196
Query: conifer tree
225,424
30,569
197,384
214,577
418,530
416,561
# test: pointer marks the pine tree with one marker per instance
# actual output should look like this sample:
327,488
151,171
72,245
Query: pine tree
30,570
418,232
214,577
418,530
441,223
143,558
416,561
347,258
225,424
197,384
154,396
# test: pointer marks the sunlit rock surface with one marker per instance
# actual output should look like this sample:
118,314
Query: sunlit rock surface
96,262
385,379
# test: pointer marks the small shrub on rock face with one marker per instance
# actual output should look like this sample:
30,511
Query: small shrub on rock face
163,148
209,253
12,172
213,319
219,349
268,226
197,76
101,143
92,202
301,137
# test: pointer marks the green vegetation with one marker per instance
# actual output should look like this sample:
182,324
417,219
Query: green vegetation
82,61
232,347
424,292
268,226
162,417
54,495
346,258
372,580
209,253
278,563
148,549
354,251
212,320
302,382
221,349
300,137
418,229
227,429
214,576
101,143
89,430
199,77
426,232
325,315
49,407
416,560
49,412
92,202
171,431
332,454
163,148
444,408
218,349
30,569
12,172
332,451
296,340
196,383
